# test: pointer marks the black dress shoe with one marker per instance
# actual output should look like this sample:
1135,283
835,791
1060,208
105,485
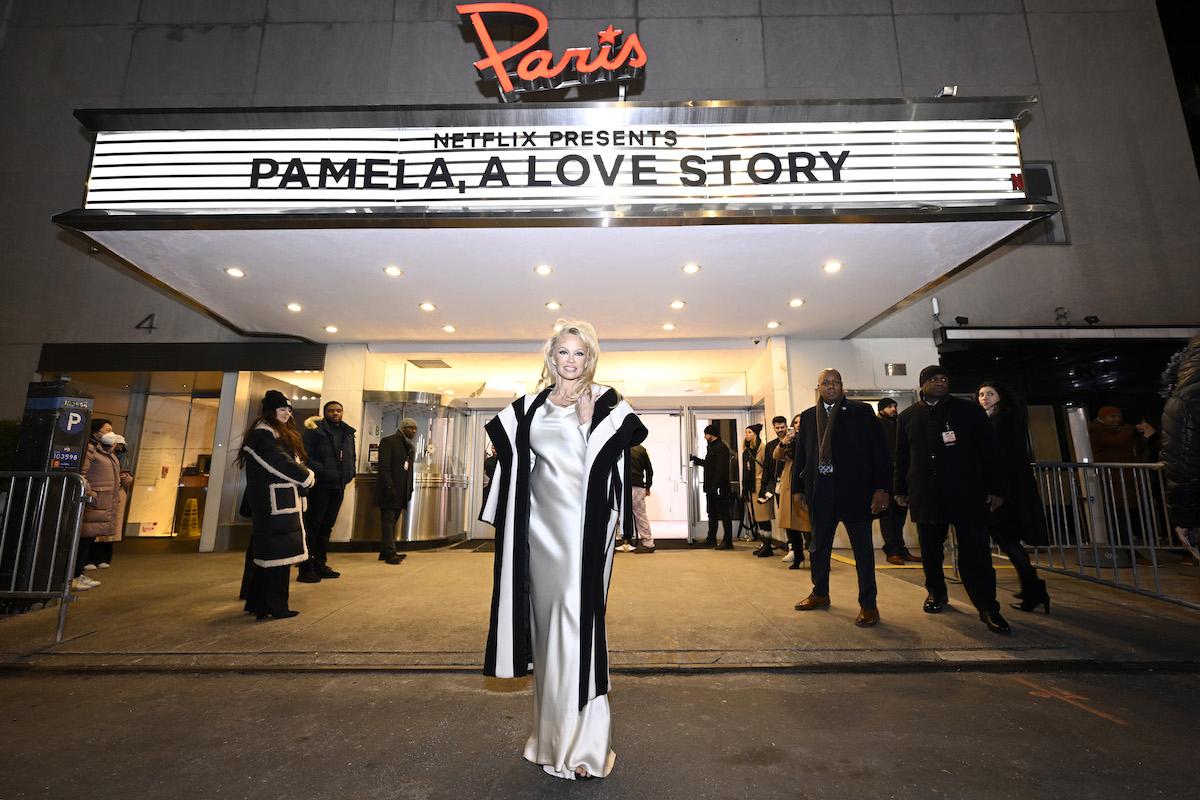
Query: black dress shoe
934,604
723,546
278,615
308,577
323,571
994,621
393,560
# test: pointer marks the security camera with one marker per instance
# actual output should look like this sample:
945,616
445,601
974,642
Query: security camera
756,340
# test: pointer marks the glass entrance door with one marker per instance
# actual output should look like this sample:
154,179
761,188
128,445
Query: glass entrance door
731,424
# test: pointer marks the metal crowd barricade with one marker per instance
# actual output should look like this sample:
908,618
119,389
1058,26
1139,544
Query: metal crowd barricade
39,537
1106,522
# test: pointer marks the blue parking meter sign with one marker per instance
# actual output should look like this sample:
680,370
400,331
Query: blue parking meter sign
72,420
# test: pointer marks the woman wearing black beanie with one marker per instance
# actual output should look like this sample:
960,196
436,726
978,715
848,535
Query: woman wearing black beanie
272,454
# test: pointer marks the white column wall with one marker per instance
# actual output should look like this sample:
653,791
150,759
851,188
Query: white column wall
349,369
860,361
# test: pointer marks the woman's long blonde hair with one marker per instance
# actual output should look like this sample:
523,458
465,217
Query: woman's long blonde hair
587,335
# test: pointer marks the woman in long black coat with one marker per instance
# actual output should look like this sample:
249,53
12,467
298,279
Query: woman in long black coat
1021,518
277,478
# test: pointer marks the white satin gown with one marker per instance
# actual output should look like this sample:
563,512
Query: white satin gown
563,737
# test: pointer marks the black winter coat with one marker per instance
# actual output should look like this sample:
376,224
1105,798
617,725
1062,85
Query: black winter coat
716,467
1022,516
275,484
334,468
947,462
394,481
860,460
1181,440
771,468
641,471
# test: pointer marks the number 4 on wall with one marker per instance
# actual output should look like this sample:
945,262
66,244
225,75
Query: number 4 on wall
147,324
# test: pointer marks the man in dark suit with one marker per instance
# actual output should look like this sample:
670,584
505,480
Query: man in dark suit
840,466
949,470
891,521
394,485
716,487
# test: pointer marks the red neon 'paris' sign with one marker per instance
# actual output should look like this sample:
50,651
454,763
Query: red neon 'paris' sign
537,70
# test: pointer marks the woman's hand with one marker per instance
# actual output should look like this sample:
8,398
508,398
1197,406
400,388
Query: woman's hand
585,406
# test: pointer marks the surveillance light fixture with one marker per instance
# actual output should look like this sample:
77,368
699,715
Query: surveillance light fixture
948,91
962,320
1091,319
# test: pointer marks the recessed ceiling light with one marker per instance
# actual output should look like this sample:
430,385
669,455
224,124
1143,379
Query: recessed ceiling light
449,391
832,266
795,302
670,326
543,270
331,329
234,272
448,328
772,324
558,327
553,306
295,307
395,272
691,269
678,304
428,306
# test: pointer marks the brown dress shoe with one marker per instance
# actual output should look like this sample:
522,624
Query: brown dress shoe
811,602
866,617
895,559
912,558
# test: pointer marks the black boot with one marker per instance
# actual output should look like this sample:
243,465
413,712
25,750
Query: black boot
1033,595
308,572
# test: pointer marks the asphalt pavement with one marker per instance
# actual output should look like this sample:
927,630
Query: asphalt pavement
162,687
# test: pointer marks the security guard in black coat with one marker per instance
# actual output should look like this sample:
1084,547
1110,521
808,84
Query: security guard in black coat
949,470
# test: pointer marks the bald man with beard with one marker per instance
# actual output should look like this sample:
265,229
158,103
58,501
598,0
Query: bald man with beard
841,468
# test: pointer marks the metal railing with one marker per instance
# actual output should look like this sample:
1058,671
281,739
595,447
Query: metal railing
39,538
1107,523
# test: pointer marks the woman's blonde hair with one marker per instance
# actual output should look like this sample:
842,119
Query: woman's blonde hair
587,335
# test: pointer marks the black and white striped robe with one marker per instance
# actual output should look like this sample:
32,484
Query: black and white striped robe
615,428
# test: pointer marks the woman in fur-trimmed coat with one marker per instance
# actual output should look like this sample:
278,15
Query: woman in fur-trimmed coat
561,489
272,454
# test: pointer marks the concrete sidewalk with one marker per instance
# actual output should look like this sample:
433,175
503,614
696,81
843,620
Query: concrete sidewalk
676,610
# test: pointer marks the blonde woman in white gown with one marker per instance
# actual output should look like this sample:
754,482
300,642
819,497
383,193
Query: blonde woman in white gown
560,491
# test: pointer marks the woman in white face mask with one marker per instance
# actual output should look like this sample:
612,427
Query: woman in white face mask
102,517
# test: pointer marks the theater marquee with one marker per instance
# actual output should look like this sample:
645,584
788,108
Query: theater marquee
545,167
